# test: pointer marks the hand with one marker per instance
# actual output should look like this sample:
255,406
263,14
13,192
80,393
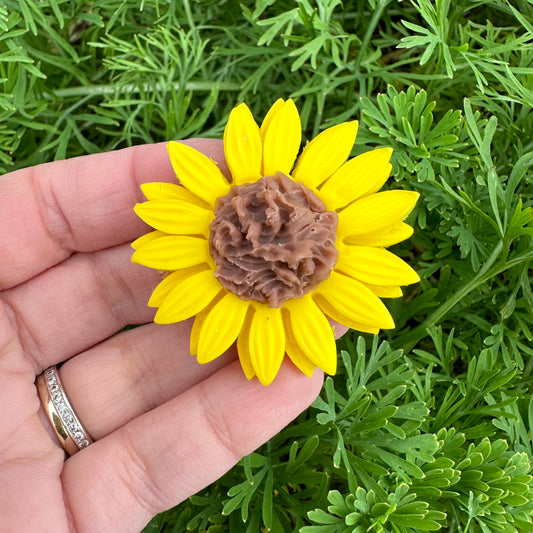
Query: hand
164,426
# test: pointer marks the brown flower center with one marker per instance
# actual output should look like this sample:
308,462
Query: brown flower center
272,240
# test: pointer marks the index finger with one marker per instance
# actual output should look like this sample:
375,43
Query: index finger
82,204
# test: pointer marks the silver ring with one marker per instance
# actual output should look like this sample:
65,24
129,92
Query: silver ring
67,426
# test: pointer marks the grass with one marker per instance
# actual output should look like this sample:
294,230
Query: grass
427,427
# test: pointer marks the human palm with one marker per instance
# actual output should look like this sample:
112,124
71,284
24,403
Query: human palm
164,426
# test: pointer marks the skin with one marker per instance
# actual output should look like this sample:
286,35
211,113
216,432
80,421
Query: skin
164,426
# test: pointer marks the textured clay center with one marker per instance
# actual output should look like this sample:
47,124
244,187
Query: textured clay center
272,240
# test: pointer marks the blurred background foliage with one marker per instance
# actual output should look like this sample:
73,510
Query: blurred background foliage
426,427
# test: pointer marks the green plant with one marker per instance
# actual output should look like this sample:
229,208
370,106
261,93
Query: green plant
428,425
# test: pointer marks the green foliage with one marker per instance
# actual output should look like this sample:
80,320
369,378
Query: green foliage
364,511
429,426
405,120
434,36
368,456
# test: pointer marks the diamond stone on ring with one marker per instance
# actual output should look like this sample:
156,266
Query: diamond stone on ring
68,428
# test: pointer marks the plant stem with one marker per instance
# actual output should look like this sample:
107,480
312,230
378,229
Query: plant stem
98,90
362,50
418,333
370,31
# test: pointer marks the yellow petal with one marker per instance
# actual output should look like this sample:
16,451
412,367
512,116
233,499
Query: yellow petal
199,320
242,146
276,106
221,327
362,175
172,216
282,138
384,238
188,297
374,266
312,332
377,212
141,241
266,342
385,292
325,154
355,301
299,359
197,173
173,252
243,346
334,313
170,281
171,191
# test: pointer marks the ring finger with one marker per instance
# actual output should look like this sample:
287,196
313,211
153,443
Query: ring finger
132,373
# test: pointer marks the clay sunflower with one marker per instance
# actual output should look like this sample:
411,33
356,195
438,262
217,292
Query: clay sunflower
265,258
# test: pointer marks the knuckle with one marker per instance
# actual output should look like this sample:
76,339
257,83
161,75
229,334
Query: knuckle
138,477
219,425
53,216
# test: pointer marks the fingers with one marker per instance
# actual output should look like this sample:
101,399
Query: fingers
80,302
30,462
81,204
161,458
88,297
133,373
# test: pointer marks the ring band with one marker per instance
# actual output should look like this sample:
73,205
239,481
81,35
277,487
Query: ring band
68,428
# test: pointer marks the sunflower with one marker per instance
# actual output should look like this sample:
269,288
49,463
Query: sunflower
267,257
